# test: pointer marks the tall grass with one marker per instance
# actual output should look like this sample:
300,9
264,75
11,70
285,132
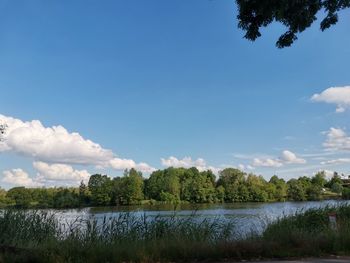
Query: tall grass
41,237
310,232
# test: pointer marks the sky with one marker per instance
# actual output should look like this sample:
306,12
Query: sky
101,86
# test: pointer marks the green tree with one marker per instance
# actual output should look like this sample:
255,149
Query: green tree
131,187
305,182
197,187
20,195
314,192
207,191
84,194
336,183
231,179
296,190
244,194
271,191
66,198
256,186
167,181
346,193
295,15
100,187
319,179
43,197
220,193
280,191
3,199
168,198
117,191
337,188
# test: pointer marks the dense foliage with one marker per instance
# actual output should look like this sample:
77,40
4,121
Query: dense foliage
296,16
175,185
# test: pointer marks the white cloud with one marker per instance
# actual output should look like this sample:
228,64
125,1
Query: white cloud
290,158
144,167
47,175
329,174
18,177
337,161
53,144
309,169
60,172
337,140
267,162
287,157
317,155
249,167
340,96
122,164
245,167
56,145
250,156
187,162
241,166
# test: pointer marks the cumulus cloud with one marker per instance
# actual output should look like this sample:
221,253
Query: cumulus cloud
60,172
47,175
57,145
290,157
53,144
287,157
122,164
187,162
337,140
268,162
18,177
144,167
340,96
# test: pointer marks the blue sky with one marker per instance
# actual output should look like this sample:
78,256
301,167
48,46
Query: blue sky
158,79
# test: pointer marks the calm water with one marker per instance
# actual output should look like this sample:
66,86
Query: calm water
246,217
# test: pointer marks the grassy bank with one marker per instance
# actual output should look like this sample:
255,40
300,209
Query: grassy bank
39,237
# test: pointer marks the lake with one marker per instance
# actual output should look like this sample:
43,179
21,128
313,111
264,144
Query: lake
246,217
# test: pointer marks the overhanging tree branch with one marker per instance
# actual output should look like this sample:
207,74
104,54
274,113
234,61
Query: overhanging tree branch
296,15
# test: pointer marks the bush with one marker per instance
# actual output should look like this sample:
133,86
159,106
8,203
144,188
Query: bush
168,197
346,193
310,233
337,188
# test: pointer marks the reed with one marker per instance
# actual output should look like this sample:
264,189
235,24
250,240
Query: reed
36,236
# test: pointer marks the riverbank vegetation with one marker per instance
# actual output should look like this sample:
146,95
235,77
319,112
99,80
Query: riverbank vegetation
30,236
177,185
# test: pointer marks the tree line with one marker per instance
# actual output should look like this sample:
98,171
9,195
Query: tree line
177,185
